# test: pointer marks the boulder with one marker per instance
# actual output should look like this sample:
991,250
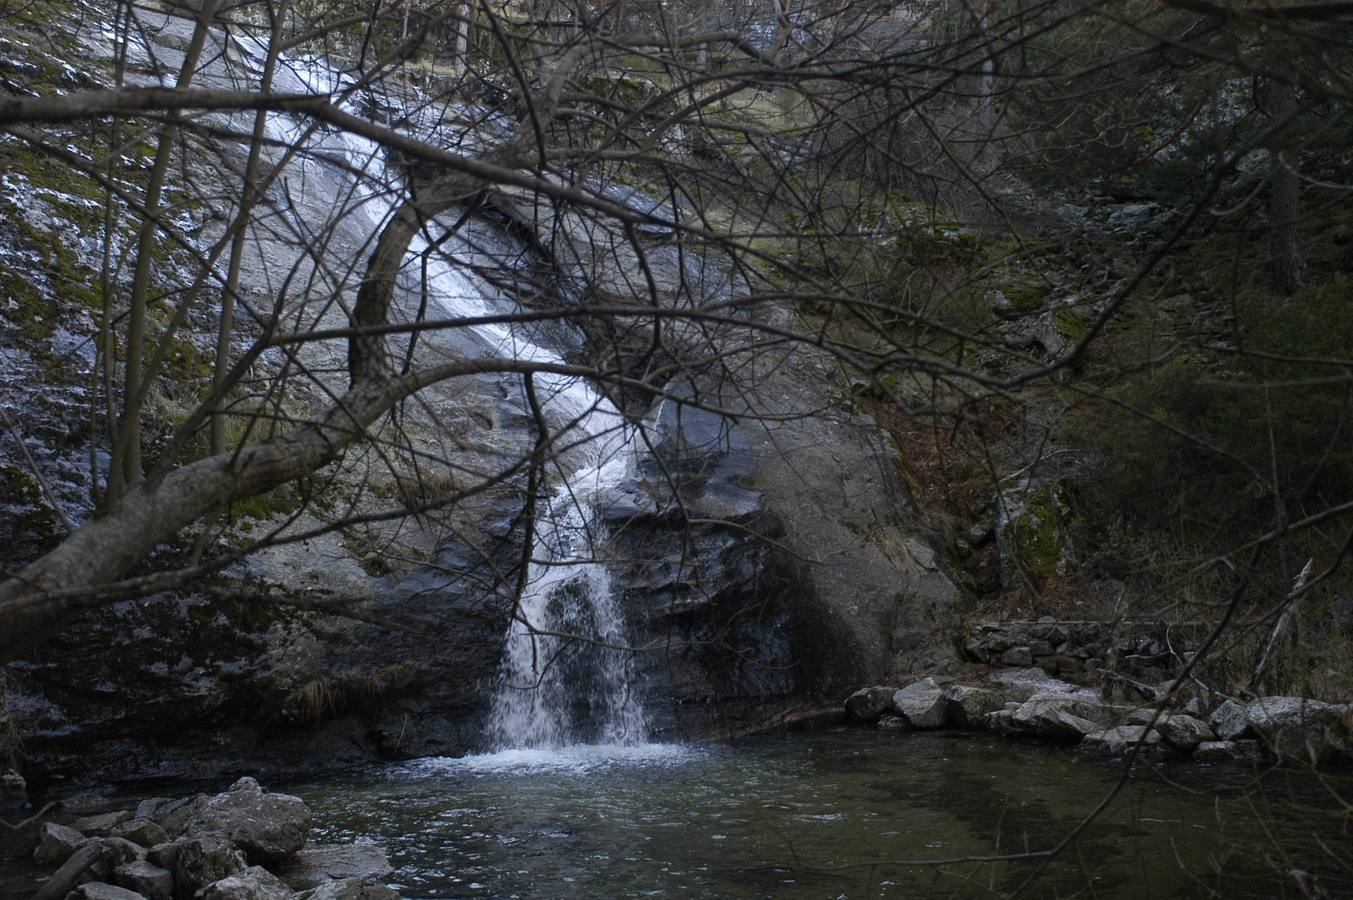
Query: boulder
267,827
1060,717
893,723
968,706
1300,730
923,704
101,824
1228,720
1021,684
1002,721
145,878
164,855
1184,732
98,890
350,889
115,851
150,808
1017,656
867,705
56,843
200,860
174,815
315,866
254,883
1227,751
1121,738
140,831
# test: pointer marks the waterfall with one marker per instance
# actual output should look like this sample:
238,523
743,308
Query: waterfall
565,677
555,690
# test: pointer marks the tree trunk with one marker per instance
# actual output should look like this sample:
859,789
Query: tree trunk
1284,197
125,469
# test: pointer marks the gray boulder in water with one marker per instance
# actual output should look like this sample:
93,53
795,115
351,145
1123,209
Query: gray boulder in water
923,703
268,827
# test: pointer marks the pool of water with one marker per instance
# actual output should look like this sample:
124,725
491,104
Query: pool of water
844,813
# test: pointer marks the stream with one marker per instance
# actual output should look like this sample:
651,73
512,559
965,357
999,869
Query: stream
829,814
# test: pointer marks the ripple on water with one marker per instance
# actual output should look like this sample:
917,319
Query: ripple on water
580,759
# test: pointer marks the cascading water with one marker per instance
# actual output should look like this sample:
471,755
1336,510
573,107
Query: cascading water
554,688
565,675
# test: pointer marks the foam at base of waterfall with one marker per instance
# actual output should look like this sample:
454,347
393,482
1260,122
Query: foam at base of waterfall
578,759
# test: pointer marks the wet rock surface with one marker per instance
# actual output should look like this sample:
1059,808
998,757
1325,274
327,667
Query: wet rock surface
318,866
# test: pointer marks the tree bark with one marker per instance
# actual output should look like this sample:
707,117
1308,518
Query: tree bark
1284,198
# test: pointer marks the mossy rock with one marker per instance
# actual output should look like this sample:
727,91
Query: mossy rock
1036,530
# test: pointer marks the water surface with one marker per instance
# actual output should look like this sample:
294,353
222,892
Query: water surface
838,814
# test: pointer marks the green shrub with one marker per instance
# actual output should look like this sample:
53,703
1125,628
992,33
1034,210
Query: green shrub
1200,444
